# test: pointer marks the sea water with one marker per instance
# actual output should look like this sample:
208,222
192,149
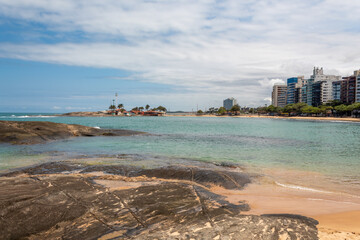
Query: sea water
325,147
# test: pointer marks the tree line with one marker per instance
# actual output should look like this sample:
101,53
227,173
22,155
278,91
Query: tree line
333,108
147,107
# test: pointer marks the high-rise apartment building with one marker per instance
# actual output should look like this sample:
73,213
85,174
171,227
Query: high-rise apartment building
326,84
336,90
319,88
294,86
278,97
349,88
229,103
358,88
290,95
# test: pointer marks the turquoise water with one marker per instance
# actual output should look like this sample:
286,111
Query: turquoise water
331,148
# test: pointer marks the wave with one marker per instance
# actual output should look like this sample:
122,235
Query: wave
28,116
301,188
97,127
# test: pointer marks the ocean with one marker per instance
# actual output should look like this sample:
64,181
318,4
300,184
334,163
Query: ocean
329,149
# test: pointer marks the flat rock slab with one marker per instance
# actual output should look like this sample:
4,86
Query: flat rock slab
73,206
35,132
202,176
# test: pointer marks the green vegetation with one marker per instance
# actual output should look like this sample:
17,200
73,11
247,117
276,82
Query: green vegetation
235,108
199,112
160,108
334,108
222,111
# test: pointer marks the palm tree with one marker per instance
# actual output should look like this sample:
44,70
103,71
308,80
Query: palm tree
161,108
141,108
147,107
120,106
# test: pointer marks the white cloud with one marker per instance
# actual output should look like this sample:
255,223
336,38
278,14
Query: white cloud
227,48
269,83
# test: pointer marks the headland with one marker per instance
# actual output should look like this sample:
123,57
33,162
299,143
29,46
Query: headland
34,132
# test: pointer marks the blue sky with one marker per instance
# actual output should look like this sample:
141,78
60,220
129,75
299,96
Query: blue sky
64,55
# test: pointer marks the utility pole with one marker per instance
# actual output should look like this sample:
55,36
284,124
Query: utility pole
116,102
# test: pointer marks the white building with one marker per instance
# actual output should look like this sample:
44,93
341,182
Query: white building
229,103
326,85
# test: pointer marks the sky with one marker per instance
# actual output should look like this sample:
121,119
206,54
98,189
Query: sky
66,55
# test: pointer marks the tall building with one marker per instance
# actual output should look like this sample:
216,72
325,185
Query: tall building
319,88
348,89
316,99
309,92
326,84
304,91
278,96
336,90
358,88
298,89
290,95
229,103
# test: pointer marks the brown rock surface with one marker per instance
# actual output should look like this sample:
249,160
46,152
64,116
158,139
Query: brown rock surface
34,132
86,114
35,205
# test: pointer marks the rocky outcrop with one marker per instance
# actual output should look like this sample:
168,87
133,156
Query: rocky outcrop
34,132
85,114
43,204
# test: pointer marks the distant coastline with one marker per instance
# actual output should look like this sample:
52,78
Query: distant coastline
191,114
348,119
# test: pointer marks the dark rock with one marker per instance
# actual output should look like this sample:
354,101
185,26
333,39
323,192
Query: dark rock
73,207
205,177
45,168
34,132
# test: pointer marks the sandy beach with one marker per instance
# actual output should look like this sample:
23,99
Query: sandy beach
308,194
348,119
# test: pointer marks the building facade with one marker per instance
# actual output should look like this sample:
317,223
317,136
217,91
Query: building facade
316,99
318,89
291,89
348,90
336,90
278,96
326,85
229,103
358,88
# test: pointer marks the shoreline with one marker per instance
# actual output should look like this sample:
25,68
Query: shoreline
330,119
338,213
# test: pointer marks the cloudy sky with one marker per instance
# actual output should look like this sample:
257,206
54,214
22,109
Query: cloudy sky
66,55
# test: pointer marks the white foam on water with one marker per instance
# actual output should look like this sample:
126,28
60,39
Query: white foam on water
34,116
301,188
97,127
327,200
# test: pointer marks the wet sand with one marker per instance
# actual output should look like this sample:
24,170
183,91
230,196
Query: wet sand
338,213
